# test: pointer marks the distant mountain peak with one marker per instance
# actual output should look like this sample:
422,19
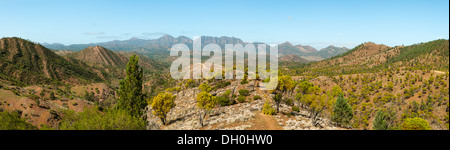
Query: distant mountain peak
288,43
370,44
101,55
132,39
95,48
182,37
166,36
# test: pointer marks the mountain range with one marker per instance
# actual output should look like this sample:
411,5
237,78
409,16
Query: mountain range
162,44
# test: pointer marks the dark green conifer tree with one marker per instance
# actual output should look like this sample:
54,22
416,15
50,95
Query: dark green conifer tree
342,112
131,98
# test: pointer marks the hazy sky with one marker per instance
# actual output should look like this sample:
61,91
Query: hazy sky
318,23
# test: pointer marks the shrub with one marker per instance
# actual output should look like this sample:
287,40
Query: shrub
38,102
33,97
295,108
267,109
244,81
227,93
384,120
222,84
244,92
390,86
289,102
205,87
257,97
52,96
241,99
206,103
223,101
162,104
13,121
16,92
89,96
415,124
92,119
74,104
42,94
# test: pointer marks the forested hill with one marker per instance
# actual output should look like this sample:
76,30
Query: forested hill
25,62
371,57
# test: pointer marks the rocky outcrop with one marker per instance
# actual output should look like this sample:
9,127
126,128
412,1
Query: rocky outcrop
241,116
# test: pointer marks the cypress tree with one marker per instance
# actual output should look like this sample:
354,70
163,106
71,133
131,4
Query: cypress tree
130,94
342,112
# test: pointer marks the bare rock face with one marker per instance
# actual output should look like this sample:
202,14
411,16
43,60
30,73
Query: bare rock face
154,122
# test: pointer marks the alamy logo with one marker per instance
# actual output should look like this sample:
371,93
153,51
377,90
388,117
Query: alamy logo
189,64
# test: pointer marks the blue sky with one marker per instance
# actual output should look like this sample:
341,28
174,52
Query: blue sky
318,23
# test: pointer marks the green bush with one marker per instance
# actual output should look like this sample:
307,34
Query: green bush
13,121
385,120
222,85
241,99
15,92
52,96
289,102
257,97
89,96
415,124
223,101
42,94
162,104
92,119
244,92
295,108
205,87
267,109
